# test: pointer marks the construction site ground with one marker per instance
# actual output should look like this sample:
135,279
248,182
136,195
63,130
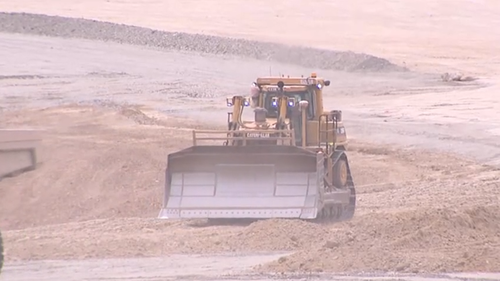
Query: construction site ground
115,98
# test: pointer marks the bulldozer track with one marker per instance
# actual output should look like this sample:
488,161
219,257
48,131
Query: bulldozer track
333,213
336,212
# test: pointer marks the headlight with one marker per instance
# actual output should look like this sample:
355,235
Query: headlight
246,102
275,102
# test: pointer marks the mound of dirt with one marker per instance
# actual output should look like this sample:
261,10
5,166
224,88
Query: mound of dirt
432,240
95,30
96,163
411,241
131,237
107,161
448,77
277,235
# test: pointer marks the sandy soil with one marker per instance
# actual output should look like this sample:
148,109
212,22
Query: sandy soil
424,152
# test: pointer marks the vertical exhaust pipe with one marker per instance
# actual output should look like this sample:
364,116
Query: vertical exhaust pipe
303,109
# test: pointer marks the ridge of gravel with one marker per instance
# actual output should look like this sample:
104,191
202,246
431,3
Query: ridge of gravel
39,24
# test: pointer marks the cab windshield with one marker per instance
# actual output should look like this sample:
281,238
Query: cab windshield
272,108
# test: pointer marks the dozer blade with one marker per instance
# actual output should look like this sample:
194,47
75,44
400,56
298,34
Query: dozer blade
243,182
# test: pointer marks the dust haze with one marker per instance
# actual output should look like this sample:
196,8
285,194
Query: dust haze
118,85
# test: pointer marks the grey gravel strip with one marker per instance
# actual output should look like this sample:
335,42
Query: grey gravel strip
175,41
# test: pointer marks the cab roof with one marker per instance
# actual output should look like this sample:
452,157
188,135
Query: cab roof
289,81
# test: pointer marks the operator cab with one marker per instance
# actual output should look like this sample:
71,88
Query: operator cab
270,100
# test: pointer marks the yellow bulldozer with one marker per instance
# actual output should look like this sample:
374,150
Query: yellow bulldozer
290,161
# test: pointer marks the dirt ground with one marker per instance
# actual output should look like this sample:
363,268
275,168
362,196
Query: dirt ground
114,100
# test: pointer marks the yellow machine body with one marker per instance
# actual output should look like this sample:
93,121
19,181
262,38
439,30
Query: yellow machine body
289,162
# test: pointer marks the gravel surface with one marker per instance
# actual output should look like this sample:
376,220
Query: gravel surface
176,41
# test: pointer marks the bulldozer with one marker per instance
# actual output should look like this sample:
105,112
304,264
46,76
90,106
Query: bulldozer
290,161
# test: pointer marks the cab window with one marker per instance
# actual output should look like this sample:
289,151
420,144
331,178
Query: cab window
272,108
